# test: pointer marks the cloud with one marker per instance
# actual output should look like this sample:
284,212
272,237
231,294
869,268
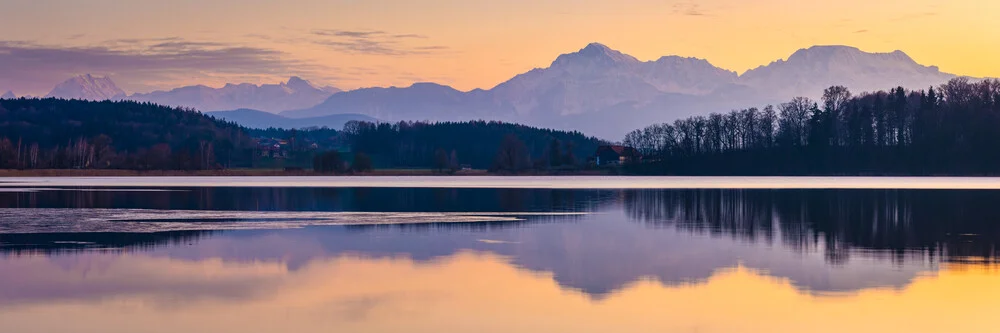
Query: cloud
861,31
689,9
373,42
138,63
410,36
352,34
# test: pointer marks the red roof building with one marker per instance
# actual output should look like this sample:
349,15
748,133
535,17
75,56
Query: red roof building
616,155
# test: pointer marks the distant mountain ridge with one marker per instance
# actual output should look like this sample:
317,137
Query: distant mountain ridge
263,120
295,93
8,95
605,92
810,70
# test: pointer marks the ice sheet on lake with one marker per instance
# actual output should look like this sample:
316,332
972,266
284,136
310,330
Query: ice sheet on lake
17,220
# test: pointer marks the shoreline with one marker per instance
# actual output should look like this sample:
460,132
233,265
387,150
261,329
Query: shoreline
11,173
5,173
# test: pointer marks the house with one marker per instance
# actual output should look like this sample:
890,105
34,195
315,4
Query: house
609,155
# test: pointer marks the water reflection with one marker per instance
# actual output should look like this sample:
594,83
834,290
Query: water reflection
468,291
316,199
595,254
955,224
642,260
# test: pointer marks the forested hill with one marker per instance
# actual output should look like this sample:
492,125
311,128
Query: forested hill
63,134
75,134
479,144
953,129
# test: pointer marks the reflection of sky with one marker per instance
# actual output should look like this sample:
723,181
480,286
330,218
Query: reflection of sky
464,292
597,254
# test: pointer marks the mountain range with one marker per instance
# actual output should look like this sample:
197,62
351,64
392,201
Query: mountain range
8,95
596,90
293,94
605,92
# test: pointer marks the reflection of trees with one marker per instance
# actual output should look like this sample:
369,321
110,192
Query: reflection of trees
894,223
50,243
956,224
317,199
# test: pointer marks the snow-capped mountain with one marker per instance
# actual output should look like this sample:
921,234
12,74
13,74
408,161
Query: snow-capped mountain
296,93
605,92
808,71
8,95
88,87
596,89
597,77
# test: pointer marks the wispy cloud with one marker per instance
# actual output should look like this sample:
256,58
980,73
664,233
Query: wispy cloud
689,8
137,63
374,42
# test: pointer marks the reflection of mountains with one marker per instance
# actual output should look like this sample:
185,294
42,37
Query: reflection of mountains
819,240
954,224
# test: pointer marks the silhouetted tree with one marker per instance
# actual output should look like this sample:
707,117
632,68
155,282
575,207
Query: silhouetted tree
512,155
556,157
440,160
328,162
362,162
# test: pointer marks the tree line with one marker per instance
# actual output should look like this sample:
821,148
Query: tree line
75,134
949,130
490,145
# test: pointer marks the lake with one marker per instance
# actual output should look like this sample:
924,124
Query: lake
499,254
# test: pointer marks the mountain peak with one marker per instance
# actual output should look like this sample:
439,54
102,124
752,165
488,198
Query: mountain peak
595,54
8,95
429,87
88,87
596,47
845,53
296,81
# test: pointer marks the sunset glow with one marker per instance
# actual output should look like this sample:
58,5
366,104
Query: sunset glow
466,44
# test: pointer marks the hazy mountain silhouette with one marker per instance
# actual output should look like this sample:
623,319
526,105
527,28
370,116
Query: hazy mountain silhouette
8,95
296,93
604,92
88,87
596,90
260,119
808,71
420,101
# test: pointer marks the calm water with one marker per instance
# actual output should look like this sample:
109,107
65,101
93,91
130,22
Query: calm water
320,256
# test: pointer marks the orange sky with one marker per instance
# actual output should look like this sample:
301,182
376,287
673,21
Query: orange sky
477,44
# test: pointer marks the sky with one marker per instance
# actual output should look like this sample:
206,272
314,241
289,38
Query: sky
145,45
